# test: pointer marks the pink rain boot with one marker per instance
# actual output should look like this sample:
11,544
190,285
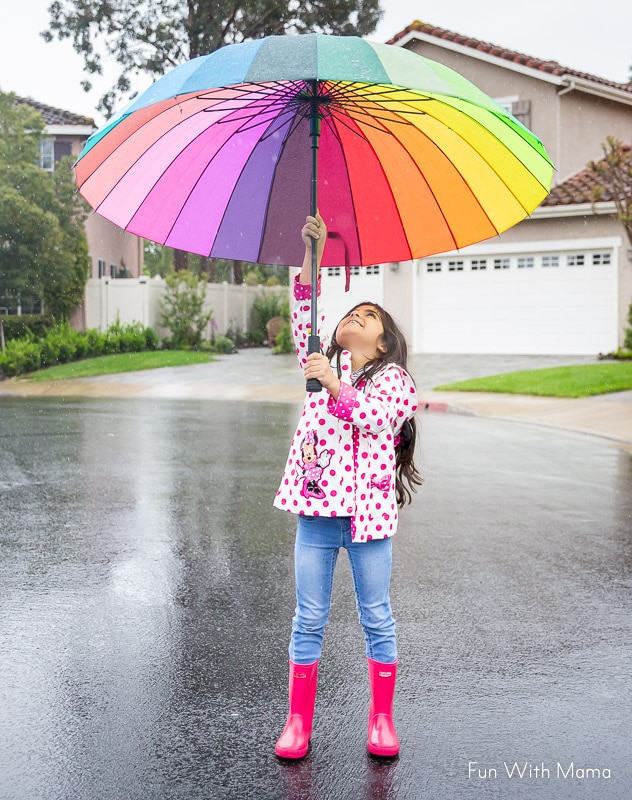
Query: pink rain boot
382,739
294,740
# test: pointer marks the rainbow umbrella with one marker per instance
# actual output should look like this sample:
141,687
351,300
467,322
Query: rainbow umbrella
227,153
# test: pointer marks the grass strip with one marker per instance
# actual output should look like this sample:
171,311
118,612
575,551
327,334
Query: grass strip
120,362
583,380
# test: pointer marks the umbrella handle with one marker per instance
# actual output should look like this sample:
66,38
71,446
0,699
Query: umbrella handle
313,346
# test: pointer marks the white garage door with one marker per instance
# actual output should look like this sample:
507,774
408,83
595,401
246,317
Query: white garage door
555,301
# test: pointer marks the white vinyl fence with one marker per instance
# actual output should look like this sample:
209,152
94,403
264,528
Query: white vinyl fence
138,300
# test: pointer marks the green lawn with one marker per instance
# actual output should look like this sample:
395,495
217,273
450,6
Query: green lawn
576,381
120,362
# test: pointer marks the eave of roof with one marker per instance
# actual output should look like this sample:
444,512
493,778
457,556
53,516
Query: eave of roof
548,70
57,116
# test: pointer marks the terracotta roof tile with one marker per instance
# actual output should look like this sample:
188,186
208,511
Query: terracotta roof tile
56,116
552,67
577,189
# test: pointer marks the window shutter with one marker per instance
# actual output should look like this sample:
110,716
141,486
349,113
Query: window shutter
62,149
522,112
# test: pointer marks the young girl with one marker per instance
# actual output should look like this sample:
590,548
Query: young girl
353,446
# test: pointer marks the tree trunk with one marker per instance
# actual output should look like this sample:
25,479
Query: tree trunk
208,264
180,260
238,272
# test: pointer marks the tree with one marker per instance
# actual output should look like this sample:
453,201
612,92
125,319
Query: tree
613,175
151,36
43,246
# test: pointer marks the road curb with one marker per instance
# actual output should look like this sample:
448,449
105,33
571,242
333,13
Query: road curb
448,408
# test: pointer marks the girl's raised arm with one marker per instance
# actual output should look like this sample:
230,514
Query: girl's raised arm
314,230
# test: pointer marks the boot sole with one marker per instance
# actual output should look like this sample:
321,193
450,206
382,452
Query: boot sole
382,752
292,755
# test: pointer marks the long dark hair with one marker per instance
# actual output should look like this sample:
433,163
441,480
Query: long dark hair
394,351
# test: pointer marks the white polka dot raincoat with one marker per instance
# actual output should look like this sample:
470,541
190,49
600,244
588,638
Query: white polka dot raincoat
342,457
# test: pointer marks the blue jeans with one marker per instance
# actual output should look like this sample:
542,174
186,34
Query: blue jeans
318,540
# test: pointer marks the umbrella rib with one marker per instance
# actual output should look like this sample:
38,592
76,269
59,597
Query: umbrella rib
328,122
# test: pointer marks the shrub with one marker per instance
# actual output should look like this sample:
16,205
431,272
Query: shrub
284,341
26,326
627,342
63,343
60,345
244,339
20,356
81,344
223,344
152,339
133,339
94,342
265,306
183,310
55,349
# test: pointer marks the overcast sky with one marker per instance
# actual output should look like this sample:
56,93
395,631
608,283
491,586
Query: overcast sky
584,35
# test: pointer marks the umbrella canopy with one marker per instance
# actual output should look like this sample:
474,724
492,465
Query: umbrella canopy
216,157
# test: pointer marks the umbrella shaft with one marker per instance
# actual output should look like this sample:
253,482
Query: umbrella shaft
314,130
313,385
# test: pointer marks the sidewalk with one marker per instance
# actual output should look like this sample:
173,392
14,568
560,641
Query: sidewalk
257,375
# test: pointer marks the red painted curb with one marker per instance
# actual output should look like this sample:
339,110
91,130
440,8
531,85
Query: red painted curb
435,406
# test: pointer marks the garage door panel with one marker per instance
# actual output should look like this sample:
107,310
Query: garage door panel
531,310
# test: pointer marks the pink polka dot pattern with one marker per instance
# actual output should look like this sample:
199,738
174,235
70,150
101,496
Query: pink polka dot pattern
355,437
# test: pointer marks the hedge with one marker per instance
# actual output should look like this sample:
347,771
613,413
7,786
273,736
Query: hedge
25,325
62,344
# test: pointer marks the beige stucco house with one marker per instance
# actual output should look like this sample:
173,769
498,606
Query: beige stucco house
558,283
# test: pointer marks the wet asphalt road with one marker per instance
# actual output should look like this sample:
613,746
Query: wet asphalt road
146,592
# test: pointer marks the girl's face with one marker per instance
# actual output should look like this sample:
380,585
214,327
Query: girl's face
361,332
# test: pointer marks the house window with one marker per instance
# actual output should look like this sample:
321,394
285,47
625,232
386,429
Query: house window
501,263
433,266
601,259
374,270
525,262
455,266
550,261
575,260
51,151
355,270
479,263
113,270
47,154
333,271
101,265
